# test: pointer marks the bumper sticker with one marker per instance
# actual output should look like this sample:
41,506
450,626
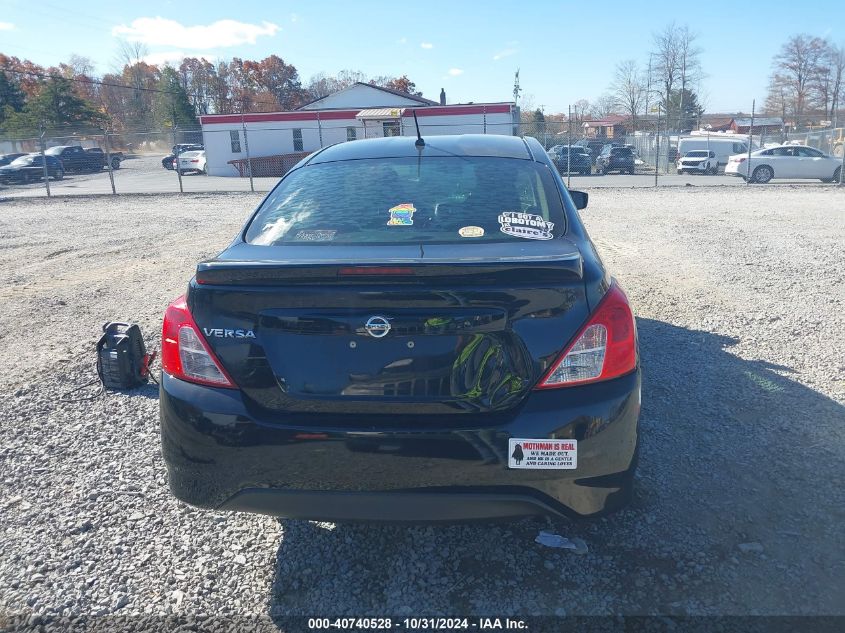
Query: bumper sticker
401,215
542,453
527,225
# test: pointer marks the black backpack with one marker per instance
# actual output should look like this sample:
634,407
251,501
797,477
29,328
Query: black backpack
122,359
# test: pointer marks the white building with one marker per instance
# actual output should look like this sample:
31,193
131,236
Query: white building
277,140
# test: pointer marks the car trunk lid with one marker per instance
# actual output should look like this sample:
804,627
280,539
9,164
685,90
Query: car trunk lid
402,330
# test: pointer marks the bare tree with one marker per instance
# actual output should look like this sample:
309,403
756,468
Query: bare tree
796,66
665,61
629,89
689,64
676,66
603,106
835,60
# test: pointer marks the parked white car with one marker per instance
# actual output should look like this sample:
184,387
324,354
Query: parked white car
698,161
192,162
785,161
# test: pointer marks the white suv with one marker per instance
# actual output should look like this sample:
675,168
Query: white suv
698,161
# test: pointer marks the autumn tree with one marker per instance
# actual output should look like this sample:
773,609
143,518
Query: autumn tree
273,77
198,77
403,84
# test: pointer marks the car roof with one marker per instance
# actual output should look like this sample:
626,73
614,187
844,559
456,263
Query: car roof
494,145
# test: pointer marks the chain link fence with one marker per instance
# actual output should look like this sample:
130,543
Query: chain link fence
251,157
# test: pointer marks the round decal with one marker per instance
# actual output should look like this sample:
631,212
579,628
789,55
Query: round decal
471,231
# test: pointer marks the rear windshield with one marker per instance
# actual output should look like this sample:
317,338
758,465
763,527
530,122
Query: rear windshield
406,200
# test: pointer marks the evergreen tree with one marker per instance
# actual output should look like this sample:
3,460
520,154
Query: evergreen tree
172,106
11,96
683,113
56,107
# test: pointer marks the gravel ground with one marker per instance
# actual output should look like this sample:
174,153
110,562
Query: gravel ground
739,509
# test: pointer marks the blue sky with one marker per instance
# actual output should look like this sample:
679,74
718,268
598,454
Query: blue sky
566,51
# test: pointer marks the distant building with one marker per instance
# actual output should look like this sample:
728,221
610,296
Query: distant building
741,124
766,125
611,126
278,140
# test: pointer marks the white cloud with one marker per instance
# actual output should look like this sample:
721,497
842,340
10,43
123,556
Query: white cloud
402,40
159,31
506,52
6,26
294,17
426,45
454,72
174,57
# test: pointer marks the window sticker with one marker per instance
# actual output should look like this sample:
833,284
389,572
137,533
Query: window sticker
471,231
401,215
316,236
527,225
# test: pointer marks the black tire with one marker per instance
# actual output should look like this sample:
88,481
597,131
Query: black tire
762,174
837,175
631,172
59,174
115,163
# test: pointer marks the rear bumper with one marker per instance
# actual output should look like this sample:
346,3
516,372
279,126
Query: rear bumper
220,456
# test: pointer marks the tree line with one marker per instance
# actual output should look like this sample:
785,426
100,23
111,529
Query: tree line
806,84
141,96
807,79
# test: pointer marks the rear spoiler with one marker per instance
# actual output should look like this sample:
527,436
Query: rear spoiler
520,270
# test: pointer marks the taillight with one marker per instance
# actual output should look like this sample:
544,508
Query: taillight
184,352
604,348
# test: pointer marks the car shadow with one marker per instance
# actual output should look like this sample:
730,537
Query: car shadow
733,453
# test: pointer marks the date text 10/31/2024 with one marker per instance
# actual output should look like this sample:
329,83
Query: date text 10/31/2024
418,624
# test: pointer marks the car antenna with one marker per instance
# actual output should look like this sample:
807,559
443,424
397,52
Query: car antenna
419,142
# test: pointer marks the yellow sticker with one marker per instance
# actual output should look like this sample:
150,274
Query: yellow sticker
401,215
471,231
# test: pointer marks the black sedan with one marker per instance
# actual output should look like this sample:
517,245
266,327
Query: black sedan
405,333
30,168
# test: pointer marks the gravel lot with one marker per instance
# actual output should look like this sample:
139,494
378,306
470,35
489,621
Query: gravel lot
739,510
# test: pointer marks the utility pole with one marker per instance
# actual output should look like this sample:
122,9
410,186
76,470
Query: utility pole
246,146
657,147
176,152
569,152
108,158
44,159
750,138
842,168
